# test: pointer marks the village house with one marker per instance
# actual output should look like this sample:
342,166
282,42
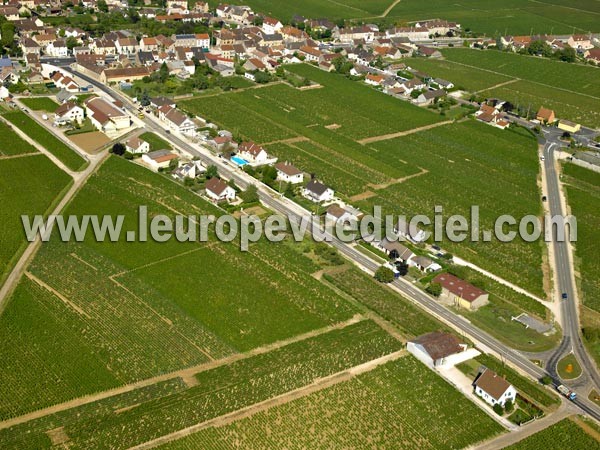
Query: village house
136,145
253,153
58,49
106,116
409,231
177,121
62,81
438,349
492,116
460,293
126,74
310,53
424,264
271,25
217,190
545,115
429,97
374,80
127,46
160,159
68,112
494,389
188,170
395,250
337,215
568,126
288,173
580,42
9,12
428,52
317,192
592,55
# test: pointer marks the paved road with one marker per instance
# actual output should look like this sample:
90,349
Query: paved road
296,213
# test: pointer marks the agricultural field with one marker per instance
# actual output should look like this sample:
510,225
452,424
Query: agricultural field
43,137
40,104
11,144
383,407
30,194
163,323
156,142
145,414
564,434
384,301
340,9
513,17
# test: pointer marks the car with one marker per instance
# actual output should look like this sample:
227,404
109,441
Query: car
564,296
542,158
168,131
439,255
436,247
544,198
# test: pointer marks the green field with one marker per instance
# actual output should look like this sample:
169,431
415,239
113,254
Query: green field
156,142
40,104
384,407
47,140
411,320
514,17
562,435
28,186
144,414
11,144
135,320
583,197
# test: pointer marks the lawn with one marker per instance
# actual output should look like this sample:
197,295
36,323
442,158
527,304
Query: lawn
11,144
135,321
156,142
47,140
389,406
568,367
40,104
513,17
151,412
28,186
562,435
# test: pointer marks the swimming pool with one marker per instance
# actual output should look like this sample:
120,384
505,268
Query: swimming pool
239,161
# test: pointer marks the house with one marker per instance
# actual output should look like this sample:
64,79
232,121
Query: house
336,214
148,44
317,192
310,53
188,170
9,12
58,49
580,42
460,293
271,25
428,52
252,152
106,116
409,231
220,143
157,102
136,145
424,264
444,84
545,115
592,55
492,116
68,112
159,159
395,250
568,126
177,121
429,97
374,80
218,190
438,349
288,173
125,74
493,388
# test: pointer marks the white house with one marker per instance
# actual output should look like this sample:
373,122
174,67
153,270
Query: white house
336,214
271,25
160,159
252,152
137,145
188,170
409,231
494,389
317,192
288,173
68,112
218,190
58,49
439,349
177,121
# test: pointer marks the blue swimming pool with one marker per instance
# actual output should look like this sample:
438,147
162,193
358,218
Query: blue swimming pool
239,161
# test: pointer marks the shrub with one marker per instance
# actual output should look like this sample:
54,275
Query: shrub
435,289
498,409
384,275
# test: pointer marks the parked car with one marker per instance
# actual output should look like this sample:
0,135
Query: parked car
564,296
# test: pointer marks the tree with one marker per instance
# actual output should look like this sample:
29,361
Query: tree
402,268
102,6
211,172
546,380
435,289
7,33
567,54
262,77
508,406
384,275
498,409
250,195
163,73
118,149
269,175
72,42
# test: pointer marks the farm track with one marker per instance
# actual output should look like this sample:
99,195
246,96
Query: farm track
184,374
24,155
399,180
287,141
385,137
65,300
317,385
220,94
499,85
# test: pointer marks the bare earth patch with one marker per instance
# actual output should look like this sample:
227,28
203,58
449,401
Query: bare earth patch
90,142
333,126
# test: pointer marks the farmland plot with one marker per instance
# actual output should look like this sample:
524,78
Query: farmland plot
11,144
40,104
28,186
564,434
379,409
218,391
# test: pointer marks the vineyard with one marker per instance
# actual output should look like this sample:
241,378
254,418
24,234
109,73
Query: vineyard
28,186
562,435
399,402
40,104
156,142
11,144
43,137
217,392
127,321
384,301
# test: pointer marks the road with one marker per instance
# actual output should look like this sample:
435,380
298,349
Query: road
572,340
296,213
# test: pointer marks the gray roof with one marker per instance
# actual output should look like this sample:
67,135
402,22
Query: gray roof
316,187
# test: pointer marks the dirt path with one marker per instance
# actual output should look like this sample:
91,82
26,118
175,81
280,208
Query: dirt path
185,374
389,8
385,137
399,180
65,300
317,385
287,141
498,85
24,155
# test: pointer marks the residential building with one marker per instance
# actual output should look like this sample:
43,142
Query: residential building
106,116
177,121
318,192
395,250
568,126
68,112
545,115
288,173
252,152
494,389
438,349
218,190
136,145
460,293
160,159
410,231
